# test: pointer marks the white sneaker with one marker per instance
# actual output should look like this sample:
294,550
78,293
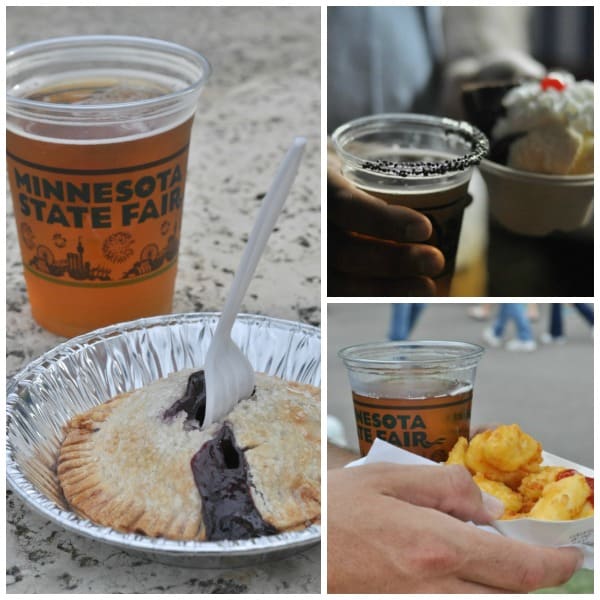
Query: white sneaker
521,345
490,338
479,312
546,338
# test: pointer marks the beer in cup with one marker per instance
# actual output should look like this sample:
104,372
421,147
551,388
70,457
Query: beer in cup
418,161
415,395
98,129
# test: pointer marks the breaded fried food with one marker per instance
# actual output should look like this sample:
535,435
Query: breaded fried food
457,454
509,448
586,511
476,463
533,484
506,454
562,500
512,500
506,463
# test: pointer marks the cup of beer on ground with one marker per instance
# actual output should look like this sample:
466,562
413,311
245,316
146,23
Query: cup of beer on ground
98,129
418,161
415,395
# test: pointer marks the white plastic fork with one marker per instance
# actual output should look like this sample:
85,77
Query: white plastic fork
228,373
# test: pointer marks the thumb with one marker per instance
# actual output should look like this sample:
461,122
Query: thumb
449,489
494,506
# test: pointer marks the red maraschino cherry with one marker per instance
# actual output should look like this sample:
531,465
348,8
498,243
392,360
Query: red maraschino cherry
552,82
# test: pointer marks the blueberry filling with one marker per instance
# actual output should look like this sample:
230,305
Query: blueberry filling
221,474
193,402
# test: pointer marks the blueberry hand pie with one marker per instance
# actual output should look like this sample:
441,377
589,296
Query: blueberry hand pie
140,462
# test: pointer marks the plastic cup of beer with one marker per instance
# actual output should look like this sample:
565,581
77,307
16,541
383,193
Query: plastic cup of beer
98,129
418,161
414,395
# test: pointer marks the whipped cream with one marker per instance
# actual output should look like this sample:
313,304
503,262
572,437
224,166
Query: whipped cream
529,106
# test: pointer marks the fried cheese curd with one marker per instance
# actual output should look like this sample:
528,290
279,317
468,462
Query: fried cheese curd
506,463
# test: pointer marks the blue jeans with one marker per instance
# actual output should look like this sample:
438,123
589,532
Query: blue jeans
404,318
586,311
518,313
556,321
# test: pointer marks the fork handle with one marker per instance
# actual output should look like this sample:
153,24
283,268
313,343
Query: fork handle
263,226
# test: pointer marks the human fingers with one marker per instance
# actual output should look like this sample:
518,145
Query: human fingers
352,209
461,550
517,566
343,284
449,489
376,258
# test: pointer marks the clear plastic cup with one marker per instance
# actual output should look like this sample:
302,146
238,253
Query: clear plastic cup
418,161
415,395
98,130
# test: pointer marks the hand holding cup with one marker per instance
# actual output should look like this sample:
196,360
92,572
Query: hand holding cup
375,248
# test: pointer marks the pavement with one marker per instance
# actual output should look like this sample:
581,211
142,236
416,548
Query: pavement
548,392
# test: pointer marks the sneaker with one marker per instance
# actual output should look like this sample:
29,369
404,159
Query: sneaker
479,312
490,338
521,345
546,338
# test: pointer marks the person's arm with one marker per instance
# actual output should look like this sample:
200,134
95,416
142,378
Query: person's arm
484,43
472,31
402,529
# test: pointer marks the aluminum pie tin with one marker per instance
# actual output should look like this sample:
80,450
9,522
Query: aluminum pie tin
90,369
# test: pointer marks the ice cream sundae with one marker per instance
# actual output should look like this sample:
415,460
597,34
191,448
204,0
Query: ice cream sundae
540,170
542,126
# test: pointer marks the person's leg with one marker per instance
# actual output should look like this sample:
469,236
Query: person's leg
533,312
586,311
500,323
524,341
493,335
416,309
480,312
518,313
556,324
554,335
399,328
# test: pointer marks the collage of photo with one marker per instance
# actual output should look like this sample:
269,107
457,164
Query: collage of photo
299,299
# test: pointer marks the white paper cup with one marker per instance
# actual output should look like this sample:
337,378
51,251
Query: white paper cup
536,204
551,533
